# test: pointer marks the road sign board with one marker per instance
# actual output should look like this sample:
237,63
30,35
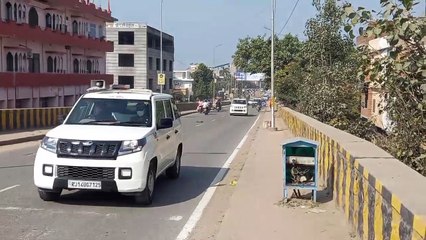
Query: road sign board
161,79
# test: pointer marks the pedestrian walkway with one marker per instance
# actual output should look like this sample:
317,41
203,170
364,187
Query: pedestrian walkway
255,209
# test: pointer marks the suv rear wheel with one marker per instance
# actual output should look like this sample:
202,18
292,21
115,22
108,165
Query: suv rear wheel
173,172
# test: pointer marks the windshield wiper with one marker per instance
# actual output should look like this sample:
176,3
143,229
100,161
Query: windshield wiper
103,122
132,123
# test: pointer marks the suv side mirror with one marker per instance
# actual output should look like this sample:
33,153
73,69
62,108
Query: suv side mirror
165,123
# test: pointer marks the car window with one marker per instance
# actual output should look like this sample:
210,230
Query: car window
238,101
123,112
169,110
160,113
175,110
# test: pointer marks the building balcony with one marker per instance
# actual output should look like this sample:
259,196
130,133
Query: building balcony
10,79
13,29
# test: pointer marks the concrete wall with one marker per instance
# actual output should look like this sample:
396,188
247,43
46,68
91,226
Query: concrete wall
382,198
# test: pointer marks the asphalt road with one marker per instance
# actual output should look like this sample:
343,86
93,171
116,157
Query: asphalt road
209,141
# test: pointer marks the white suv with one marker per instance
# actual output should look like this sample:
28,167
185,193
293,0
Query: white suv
114,141
239,106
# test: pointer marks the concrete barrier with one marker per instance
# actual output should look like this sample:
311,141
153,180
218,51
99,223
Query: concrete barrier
19,119
382,198
35,118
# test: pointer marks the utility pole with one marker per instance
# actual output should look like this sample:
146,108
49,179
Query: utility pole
161,43
213,68
272,67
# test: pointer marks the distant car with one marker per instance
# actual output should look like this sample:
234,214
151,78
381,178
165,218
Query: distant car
239,107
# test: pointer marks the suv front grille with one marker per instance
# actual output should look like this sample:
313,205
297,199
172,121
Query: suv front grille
86,173
88,149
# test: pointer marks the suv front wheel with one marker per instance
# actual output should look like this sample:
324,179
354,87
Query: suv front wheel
147,195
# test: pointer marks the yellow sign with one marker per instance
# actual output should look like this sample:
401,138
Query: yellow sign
161,79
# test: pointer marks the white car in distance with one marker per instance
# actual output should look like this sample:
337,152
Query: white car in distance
239,106
112,141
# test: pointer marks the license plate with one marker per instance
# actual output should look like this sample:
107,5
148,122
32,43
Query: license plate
84,184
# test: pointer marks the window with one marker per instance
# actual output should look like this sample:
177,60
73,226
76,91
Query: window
175,110
74,28
16,62
76,66
101,31
9,12
122,112
170,65
48,20
126,60
92,31
89,66
169,110
54,21
49,64
127,80
20,12
150,83
158,64
374,105
15,12
164,65
150,67
33,17
159,113
126,38
9,62
34,63
171,83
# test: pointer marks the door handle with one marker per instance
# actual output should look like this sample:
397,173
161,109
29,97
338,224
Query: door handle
176,131
168,137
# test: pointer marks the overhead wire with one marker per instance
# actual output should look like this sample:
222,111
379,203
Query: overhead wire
289,17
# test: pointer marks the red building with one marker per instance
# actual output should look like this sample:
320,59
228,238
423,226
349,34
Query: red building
50,50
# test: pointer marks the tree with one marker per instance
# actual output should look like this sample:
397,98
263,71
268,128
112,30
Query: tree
203,78
401,74
254,54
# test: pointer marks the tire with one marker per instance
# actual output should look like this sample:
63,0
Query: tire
49,195
173,172
147,195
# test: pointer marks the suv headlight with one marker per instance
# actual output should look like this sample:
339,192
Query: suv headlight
132,146
49,144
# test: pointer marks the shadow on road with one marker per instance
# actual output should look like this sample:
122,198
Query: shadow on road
192,182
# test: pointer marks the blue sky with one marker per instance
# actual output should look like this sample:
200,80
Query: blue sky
199,25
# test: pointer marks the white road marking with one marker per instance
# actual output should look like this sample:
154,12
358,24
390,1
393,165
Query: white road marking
198,125
8,188
20,209
197,213
175,218
213,120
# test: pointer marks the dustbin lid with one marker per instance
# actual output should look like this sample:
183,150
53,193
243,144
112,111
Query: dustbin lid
300,142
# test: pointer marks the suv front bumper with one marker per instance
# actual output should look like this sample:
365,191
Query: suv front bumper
110,183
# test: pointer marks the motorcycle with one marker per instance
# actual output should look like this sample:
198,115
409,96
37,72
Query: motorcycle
206,110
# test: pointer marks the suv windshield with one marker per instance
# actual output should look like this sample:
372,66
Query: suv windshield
239,101
121,112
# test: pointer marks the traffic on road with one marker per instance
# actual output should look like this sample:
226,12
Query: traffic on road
84,208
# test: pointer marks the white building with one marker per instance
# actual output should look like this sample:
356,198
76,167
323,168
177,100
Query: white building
136,57
183,83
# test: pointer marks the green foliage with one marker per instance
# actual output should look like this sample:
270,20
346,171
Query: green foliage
401,74
254,54
203,78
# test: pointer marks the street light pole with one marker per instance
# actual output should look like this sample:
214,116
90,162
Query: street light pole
272,67
161,42
213,67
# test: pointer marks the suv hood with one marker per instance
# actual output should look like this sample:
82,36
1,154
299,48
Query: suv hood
98,132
